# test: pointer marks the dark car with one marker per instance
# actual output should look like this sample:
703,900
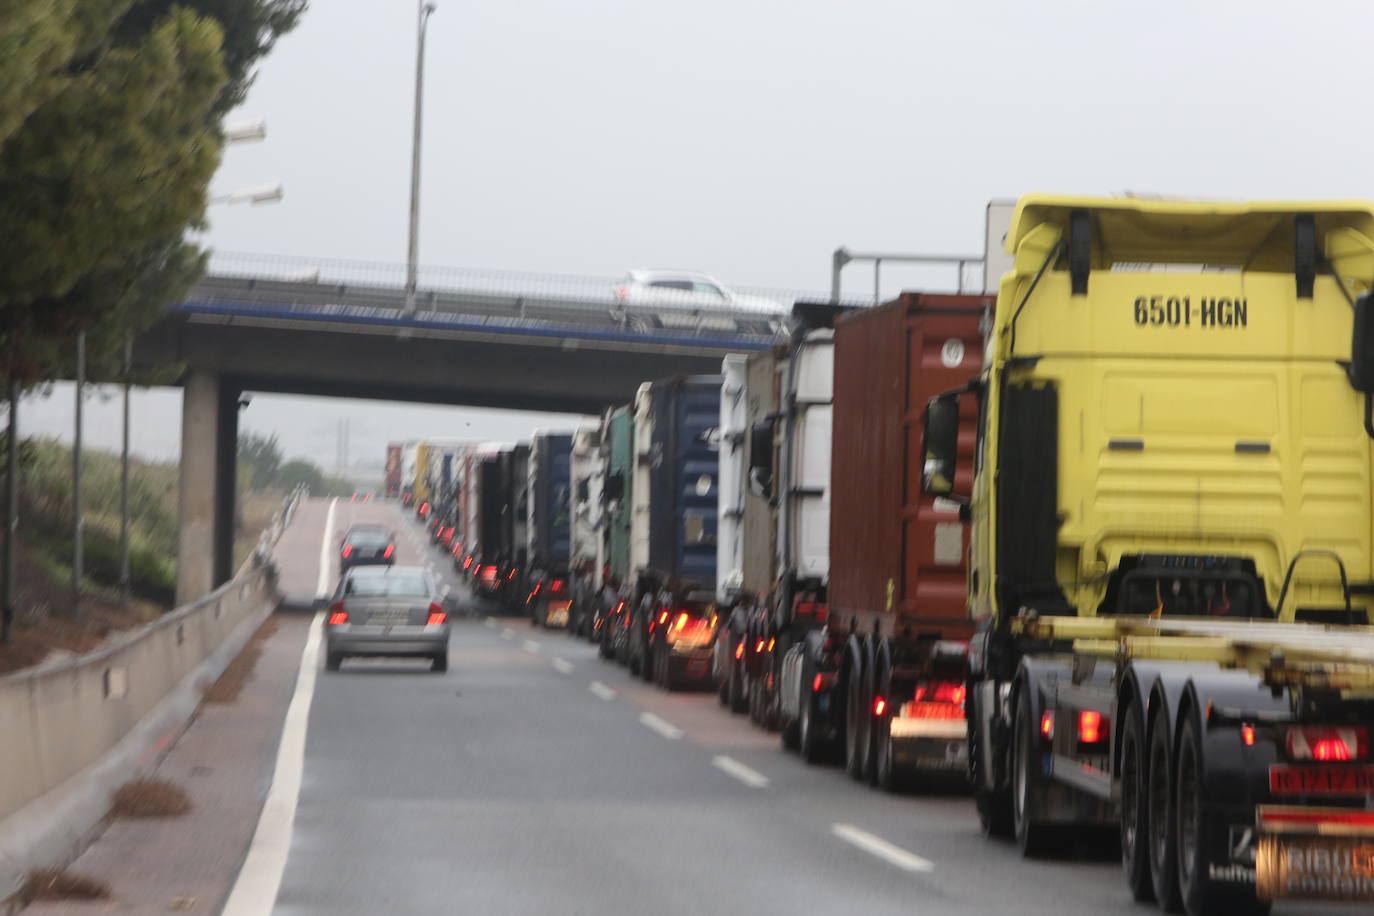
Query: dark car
681,640
366,545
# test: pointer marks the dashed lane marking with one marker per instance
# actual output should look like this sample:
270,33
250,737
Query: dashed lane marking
747,775
507,633
601,690
490,622
531,646
562,666
662,726
877,846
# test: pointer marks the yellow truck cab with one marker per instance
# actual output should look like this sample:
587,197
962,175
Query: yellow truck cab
1170,560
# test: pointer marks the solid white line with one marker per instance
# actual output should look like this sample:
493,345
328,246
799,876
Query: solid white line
747,775
326,555
881,848
531,646
507,633
562,666
662,726
255,889
601,690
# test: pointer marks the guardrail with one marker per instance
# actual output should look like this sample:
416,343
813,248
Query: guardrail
73,729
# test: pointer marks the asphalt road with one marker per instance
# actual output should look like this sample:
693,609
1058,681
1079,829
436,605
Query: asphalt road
535,778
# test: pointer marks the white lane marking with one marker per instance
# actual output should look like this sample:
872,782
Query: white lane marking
747,775
507,633
255,888
877,846
444,591
491,622
531,646
601,690
562,666
662,726
326,556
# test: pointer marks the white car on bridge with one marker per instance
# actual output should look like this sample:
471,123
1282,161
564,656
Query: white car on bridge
682,298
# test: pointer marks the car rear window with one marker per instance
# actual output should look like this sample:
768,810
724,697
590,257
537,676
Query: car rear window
683,285
404,585
369,539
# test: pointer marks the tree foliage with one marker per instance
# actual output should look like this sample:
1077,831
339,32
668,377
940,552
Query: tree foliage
109,134
261,457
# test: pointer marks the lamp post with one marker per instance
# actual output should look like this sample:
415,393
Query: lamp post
426,9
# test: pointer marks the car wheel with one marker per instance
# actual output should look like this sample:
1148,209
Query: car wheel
440,664
332,660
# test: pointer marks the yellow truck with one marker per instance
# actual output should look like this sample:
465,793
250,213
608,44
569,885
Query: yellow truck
1171,544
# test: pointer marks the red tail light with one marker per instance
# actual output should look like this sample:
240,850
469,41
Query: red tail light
1092,727
941,692
437,614
337,615
681,620
467,562
488,573
390,549
557,585
822,682
424,508
879,706
758,647
348,551
1247,735
1328,743
1047,726
662,616
620,606
739,650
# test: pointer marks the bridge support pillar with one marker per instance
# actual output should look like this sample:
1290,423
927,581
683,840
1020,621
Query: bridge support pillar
209,446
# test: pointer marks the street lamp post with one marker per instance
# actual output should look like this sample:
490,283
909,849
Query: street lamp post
426,9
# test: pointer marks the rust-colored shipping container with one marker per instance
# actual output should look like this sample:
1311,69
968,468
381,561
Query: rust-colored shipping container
896,554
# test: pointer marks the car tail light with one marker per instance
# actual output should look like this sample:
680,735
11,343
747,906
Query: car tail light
681,621
1047,726
663,616
337,615
557,585
758,647
347,551
622,292
1328,743
437,614
1092,727
822,682
739,649
467,562
879,706
424,508
489,574
509,575
390,549
1247,735
620,606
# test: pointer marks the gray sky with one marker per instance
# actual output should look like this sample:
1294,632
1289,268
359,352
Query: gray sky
749,138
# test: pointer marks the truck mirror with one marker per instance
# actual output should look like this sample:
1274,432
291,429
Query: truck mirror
614,488
1362,346
940,444
761,458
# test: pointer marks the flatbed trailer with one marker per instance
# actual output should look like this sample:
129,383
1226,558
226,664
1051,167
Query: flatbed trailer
1171,545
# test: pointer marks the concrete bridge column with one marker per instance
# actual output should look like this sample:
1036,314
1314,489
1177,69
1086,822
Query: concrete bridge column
209,444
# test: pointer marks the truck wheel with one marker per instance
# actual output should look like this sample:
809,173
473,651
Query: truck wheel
1135,809
993,805
1160,822
1037,840
886,775
857,724
1200,894
791,734
739,700
723,690
812,748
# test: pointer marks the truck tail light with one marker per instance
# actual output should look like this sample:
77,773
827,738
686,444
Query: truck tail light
1092,727
822,682
1047,726
879,706
1328,743
663,616
1247,735
467,562
739,650
557,585
390,549
758,647
936,700
488,574
347,551
437,614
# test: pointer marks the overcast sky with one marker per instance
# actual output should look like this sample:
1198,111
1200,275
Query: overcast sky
749,138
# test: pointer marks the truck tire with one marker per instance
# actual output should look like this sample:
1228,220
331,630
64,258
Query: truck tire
739,697
791,734
857,740
1036,839
1135,808
993,805
1199,893
886,774
1160,829
811,747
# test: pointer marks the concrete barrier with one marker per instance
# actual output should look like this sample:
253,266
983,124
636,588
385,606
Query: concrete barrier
73,730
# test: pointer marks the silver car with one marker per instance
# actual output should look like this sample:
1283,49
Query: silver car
387,611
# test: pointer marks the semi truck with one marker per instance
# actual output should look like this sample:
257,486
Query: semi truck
392,487
673,526
1169,493
586,552
548,497
617,492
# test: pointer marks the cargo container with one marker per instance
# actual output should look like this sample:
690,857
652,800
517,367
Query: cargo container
673,528
393,471
617,495
548,530
885,676
585,534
